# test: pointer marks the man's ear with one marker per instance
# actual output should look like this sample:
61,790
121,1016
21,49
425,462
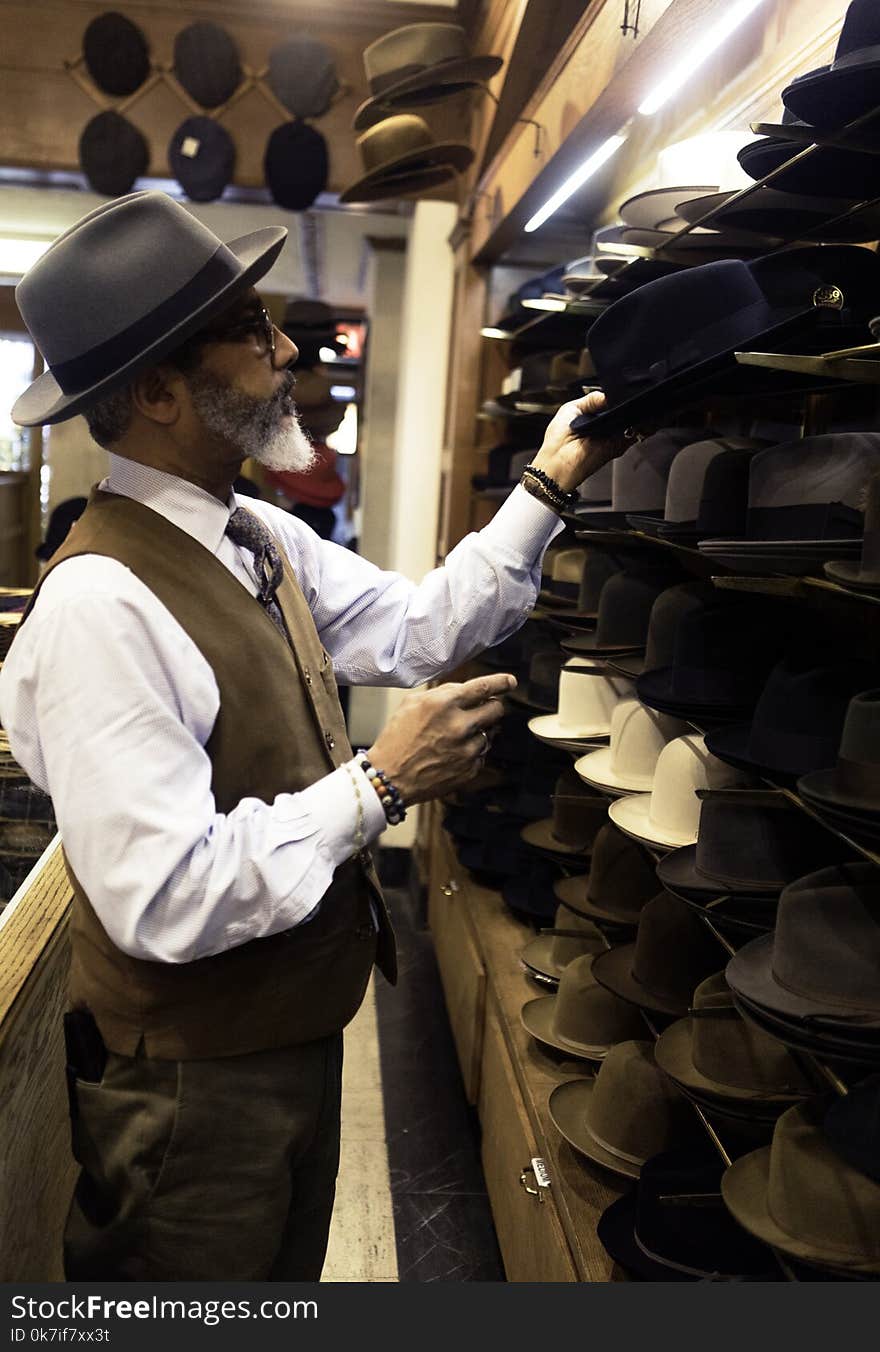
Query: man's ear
157,393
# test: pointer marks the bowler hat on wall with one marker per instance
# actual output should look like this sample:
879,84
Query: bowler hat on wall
420,63
296,165
120,289
202,158
400,156
113,153
706,314
302,75
206,62
833,96
116,54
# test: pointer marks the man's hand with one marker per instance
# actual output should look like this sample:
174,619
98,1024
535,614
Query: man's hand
438,739
569,459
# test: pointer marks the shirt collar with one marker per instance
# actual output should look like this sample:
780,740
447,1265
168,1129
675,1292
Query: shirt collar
186,506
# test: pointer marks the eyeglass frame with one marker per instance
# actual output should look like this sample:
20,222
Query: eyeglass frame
259,325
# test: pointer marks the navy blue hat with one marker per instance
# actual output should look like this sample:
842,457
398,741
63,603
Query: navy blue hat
202,158
116,54
113,153
851,87
296,165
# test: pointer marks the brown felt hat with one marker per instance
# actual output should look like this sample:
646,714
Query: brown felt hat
400,156
673,952
581,1019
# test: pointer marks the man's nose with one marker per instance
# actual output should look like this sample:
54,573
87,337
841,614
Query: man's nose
286,350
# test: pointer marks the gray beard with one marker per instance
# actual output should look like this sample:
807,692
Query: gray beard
265,430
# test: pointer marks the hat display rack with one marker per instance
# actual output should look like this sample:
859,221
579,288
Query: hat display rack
779,423
114,153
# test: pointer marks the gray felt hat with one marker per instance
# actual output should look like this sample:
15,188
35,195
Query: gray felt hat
120,289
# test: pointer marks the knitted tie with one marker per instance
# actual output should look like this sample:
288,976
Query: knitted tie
243,528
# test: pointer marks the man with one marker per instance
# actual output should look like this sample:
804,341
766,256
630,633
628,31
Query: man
172,688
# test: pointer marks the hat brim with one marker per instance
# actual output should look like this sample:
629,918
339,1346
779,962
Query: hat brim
595,769
540,836
568,1106
44,401
572,893
831,98
851,575
428,86
768,212
631,815
648,210
538,957
745,1188
613,970
680,869
750,972
673,1052
828,172
812,1037
537,1020
392,180
731,744
547,729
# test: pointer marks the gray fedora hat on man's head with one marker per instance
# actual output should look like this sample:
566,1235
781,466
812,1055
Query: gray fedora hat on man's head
418,64
120,289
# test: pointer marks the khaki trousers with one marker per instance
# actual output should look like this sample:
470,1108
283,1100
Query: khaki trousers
219,1170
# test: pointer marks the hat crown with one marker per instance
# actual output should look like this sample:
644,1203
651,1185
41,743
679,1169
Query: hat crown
823,469
621,875
640,475
757,840
861,28
587,1015
860,741
800,714
734,1052
683,766
687,475
816,1197
634,1107
670,610
141,249
392,138
587,696
826,945
638,735
673,951
416,46
625,606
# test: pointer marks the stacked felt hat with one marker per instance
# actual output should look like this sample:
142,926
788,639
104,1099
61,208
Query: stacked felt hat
624,610
848,793
571,936
805,504
582,1019
864,575
639,479
628,764
669,815
766,213
619,884
578,813
588,693
421,63
400,156
706,492
847,90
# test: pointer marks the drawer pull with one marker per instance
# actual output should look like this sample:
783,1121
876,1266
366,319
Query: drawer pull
535,1172
450,888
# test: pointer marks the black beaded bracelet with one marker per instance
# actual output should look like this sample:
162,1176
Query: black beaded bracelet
557,491
389,796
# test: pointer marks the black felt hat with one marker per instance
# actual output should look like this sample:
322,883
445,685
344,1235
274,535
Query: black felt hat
798,719
769,212
852,1125
296,165
707,314
113,153
849,88
206,62
202,158
116,54
302,74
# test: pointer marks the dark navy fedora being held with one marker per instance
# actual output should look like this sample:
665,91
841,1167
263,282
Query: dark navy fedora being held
160,276
708,313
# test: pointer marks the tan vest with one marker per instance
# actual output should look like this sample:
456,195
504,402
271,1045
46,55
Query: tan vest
279,728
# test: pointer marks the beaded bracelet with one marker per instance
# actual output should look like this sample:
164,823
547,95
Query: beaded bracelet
389,796
537,490
553,488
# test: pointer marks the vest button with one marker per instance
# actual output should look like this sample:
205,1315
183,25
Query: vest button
366,858
328,738
308,675
364,932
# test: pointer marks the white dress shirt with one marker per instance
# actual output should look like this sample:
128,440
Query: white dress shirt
109,704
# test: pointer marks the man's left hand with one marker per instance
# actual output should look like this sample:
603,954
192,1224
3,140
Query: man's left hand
570,459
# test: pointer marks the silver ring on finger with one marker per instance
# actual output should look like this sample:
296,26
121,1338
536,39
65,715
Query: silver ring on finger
485,751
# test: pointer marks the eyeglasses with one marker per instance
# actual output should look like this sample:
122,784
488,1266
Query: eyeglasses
257,324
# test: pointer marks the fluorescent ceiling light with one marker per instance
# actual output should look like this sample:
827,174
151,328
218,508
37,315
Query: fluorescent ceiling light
698,51
575,181
18,255
490,332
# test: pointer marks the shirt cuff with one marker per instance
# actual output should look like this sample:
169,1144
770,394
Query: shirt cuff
524,523
334,806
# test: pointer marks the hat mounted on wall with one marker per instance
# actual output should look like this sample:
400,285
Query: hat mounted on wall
296,165
419,64
116,54
400,156
202,158
207,64
150,255
113,153
302,75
